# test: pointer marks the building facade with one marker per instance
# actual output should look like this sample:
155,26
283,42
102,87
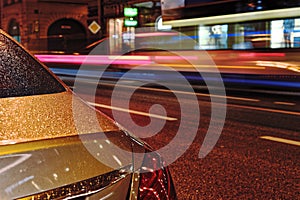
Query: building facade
46,24
64,26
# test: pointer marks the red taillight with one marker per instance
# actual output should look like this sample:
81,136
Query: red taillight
155,180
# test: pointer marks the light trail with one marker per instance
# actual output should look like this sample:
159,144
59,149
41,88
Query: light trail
198,67
281,140
187,93
284,103
265,109
133,111
175,91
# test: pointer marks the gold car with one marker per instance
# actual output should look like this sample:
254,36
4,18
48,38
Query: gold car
54,146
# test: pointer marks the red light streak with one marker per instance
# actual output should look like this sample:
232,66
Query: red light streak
108,59
243,55
92,60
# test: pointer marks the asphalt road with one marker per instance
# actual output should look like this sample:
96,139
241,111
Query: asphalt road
257,155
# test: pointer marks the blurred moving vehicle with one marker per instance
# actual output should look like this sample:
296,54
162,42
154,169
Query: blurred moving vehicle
152,56
52,148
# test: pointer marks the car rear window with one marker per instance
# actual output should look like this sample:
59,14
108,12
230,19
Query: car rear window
21,74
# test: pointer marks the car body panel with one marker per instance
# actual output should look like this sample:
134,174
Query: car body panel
53,145
43,147
48,116
59,164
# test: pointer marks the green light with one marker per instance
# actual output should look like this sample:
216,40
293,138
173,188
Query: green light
130,12
130,22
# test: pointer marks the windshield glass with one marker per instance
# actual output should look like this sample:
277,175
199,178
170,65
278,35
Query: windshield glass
21,74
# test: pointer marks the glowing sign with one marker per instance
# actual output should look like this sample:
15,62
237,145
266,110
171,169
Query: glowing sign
131,17
130,12
130,22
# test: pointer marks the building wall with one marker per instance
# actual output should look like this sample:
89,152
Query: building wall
36,16
9,13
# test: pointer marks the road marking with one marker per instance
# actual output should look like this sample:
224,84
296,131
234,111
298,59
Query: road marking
133,111
284,103
282,140
265,109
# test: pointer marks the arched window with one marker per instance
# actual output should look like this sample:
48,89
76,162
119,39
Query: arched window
14,29
66,35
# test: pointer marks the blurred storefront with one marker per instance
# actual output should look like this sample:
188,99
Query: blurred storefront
235,24
121,28
282,33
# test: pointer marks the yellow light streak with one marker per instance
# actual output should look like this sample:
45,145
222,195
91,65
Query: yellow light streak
284,103
281,140
239,17
187,93
133,111
265,109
